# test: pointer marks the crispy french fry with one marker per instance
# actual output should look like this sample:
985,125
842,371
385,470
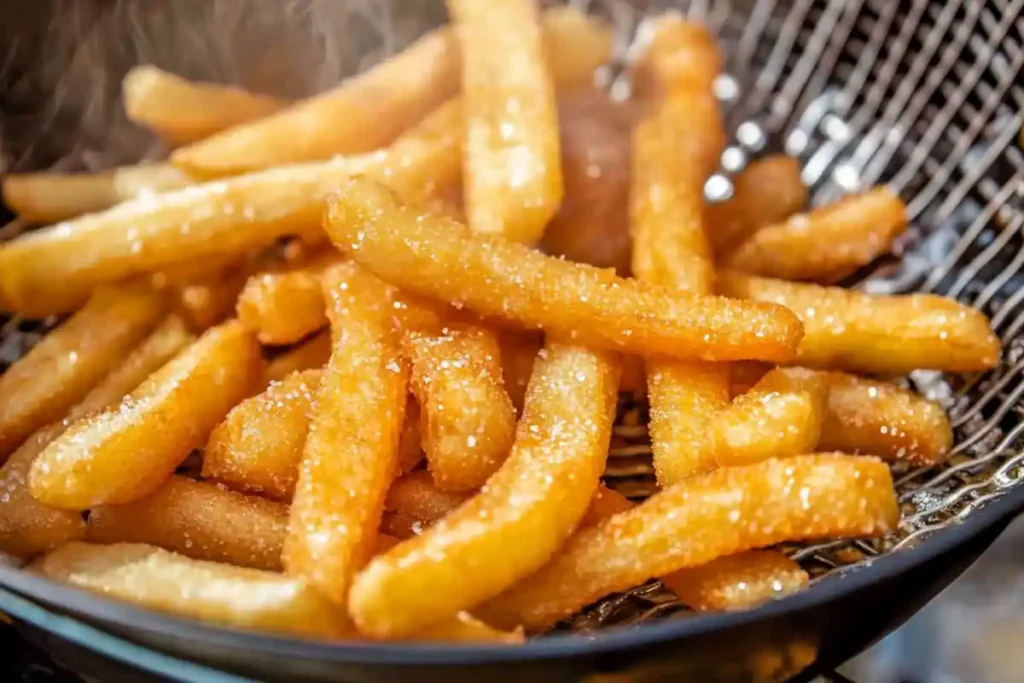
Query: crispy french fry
258,446
414,502
351,453
210,591
463,628
743,376
467,421
52,270
182,111
208,301
126,452
310,354
518,351
701,519
50,197
286,306
512,175
576,45
200,520
739,581
827,244
768,191
27,527
605,503
780,417
434,256
681,55
886,335
531,504
58,372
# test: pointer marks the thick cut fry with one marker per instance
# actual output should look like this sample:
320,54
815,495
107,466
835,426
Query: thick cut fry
518,351
58,372
182,111
780,417
414,502
827,244
434,256
351,453
681,55
512,176
467,421
210,591
730,510
284,307
768,191
258,446
873,334
200,520
520,517
51,197
52,270
738,581
126,452
463,628
310,354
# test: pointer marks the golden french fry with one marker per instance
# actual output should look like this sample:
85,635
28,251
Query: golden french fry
576,45
467,421
351,452
780,417
512,175
126,452
50,197
182,111
874,334
310,354
200,520
827,244
463,628
681,55
434,256
52,270
605,503
58,372
414,502
258,446
410,445
518,351
768,191
27,527
744,375
531,504
739,581
286,306
701,519
210,591
209,301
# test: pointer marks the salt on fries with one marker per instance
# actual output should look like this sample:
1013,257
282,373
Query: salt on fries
311,353
284,307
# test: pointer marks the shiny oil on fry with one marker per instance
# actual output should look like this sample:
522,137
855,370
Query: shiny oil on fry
739,581
307,355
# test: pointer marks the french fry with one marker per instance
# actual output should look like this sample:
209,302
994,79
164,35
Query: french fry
200,520
738,581
309,354
576,45
873,334
531,504
518,352
113,457
182,111
414,502
434,256
210,591
681,55
410,445
27,527
58,372
701,519
780,417
743,376
768,191
467,421
512,175
258,446
286,306
52,270
209,301
826,244
605,503
350,455
51,197
463,628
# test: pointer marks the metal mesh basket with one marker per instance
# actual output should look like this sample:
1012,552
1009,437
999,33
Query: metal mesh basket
923,96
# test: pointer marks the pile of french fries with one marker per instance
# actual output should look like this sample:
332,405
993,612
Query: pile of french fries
403,405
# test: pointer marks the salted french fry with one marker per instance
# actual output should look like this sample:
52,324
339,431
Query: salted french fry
126,452
680,55
58,372
219,593
209,301
531,504
51,197
874,334
414,502
768,191
463,628
512,175
286,306
27,527
467,421
780,417
51,270
518,351
182,111
826,244
310,354
701,519
258,446
738,581
576,45
200,520
351,452
437,257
